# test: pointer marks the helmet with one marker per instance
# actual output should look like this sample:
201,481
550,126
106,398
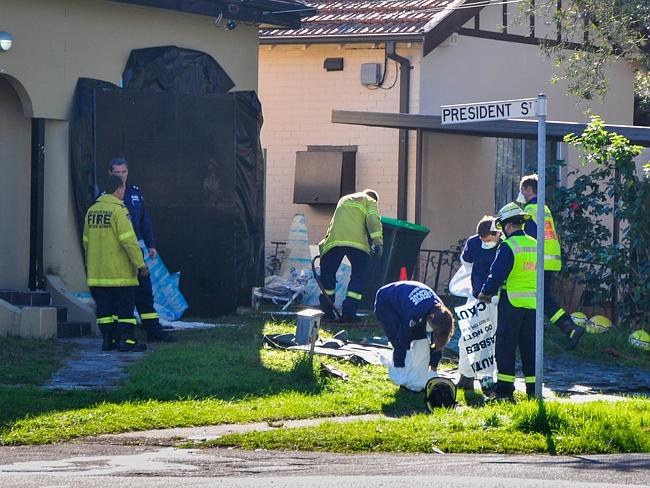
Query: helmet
598,324
507,212
640,339
440,393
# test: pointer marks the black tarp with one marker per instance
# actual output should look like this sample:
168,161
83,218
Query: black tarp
175,70
197,158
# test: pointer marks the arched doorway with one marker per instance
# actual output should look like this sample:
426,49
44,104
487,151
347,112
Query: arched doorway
15,157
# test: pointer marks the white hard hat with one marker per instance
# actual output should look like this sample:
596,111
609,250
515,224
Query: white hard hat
508,212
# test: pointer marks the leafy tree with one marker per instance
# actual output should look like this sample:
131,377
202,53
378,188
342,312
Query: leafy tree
606,30
612,187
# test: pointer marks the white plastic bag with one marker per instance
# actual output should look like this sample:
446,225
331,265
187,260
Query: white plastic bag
461,283
415,373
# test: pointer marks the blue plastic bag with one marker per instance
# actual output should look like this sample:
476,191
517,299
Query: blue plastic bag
168,299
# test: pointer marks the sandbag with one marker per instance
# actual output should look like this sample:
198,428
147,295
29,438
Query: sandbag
477,322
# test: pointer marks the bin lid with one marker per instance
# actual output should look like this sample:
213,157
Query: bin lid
403,224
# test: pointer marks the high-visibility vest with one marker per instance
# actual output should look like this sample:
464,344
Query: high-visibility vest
552,251
521,283
355,219
113,254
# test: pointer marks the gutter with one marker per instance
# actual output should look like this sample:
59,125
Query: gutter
403,148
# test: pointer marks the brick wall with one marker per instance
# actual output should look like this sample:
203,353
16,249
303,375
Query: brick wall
298,97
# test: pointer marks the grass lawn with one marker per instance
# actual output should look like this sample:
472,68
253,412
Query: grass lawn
223,375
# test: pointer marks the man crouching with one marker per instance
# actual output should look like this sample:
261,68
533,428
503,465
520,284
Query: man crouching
408,310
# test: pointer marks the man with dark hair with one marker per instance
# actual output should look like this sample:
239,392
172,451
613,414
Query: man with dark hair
113,264
355,221
513,276
552,259
144,300
479,251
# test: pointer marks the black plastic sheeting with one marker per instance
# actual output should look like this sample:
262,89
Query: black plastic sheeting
198,160
174,70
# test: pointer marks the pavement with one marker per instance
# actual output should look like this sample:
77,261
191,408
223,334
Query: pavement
88,465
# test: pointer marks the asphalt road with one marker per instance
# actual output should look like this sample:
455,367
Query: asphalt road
93,465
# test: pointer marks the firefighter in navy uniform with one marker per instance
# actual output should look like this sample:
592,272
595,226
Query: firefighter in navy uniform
143,230
552,259
513,276
113,263
355,222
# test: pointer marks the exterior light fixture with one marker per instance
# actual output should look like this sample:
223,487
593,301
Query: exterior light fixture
6,41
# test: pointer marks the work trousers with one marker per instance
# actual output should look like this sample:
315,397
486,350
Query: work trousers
329,265
552,310
516,328
144,305
114,308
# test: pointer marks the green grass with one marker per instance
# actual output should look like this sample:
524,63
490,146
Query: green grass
209,377
30,361
224,375
527,427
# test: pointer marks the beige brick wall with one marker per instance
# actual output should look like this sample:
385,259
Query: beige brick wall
298,97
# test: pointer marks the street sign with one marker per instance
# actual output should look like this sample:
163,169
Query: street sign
480,112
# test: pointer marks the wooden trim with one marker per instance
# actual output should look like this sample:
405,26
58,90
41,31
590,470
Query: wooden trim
532,19
499,36
360,39
558,23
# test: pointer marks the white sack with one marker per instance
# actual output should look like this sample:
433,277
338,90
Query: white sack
415,373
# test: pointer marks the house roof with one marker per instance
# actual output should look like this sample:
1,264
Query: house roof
285,13
367,20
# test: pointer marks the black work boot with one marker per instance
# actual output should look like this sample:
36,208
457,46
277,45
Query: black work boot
572,331
160,335
128,342
109,342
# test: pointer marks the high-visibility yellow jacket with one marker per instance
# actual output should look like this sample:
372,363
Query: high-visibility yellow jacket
521,283
552,250
355,219
113,255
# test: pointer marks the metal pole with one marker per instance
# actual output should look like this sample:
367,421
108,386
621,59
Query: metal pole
541,204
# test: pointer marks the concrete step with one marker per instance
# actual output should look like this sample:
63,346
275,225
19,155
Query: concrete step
73,329
26,298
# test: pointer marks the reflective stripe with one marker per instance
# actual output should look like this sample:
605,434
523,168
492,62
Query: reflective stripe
149,316
522,295
127,321
505,377
115,317
126,235
330,292
375,234
331,244
356,296
372,211
104,320
113,281
556,316
552,257
130,341
529,379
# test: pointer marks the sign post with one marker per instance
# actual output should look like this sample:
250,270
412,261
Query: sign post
513,109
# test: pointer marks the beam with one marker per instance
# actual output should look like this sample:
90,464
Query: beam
515,129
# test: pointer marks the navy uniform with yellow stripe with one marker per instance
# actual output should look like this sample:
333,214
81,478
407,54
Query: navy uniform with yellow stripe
144,300
513,276
552,265
113,258
355,222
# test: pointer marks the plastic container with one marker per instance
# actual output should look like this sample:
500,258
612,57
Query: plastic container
402,241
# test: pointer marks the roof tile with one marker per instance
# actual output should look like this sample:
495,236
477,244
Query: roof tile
364,17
